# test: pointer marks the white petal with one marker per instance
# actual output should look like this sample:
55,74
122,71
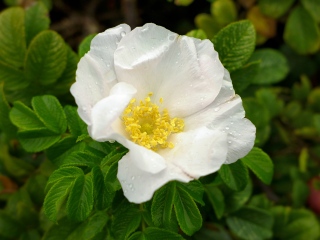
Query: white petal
198,152
95,75
108,110
229,118
184,71
139,185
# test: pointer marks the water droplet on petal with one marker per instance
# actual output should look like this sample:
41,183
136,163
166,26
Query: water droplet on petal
231,88
171,37
122,34
132,189
217,109
201,99
229,142
227,128
231,123
130,185
132,178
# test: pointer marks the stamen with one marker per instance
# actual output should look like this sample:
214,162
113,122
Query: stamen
148,127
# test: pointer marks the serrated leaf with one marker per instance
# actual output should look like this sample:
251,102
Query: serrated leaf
126,220
76,126
244,76
12,36
84,46
95,225
62,230
187,212
269,99
301,32
251,223
25,118
274,66
56,197
235,44
260,163
80,201
152,233
36,20
111,181
194,188
216,199
66,172
46,58
50,112
12,77
64,82
37,140
234,175
81,159
5,124
59,152
162,203
102,196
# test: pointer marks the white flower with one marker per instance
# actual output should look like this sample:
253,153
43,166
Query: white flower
165,97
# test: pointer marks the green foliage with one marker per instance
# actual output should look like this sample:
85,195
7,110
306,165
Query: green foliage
275,9
235,44
301,32
235,175
84,46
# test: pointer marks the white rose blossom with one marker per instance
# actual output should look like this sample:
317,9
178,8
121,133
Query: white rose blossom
165,97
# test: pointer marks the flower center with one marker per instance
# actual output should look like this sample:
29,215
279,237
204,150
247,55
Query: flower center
147,126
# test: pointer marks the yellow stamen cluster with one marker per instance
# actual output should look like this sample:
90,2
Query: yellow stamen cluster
147,126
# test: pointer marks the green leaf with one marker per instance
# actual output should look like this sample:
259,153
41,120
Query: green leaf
224,11
30,235
80,201
24,118
152,233
251,223
274,66
46,58
197,33
62,230
76,126
161,209
5,124
187,212
256,112
37,140
208,24
269,99
244,76
35,186
235,44
36,20
260,163
47,3
316,120
300,193
95,225
56,197
12,36
275,9
216,199
102,196
60,151
294,224
301,31
65,172
84,46
78,158
9,228
213,232
12,77
235,200
234,175
64,82
50,112
313,7
126,220
301,91
194,188
111,181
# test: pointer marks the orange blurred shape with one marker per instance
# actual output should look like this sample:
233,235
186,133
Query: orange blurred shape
265,26
8,185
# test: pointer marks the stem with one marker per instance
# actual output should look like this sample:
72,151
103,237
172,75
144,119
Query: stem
143,223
